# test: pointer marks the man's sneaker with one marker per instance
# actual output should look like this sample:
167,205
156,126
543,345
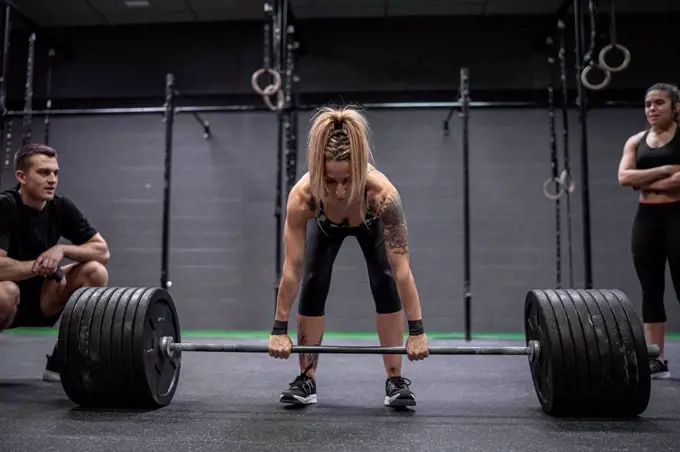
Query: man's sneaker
51,372
397,392
302,391
659,369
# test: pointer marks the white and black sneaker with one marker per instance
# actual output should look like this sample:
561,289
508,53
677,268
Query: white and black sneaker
302,391
51,372
659,369
397,392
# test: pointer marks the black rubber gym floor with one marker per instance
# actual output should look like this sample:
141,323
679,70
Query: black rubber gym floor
229,402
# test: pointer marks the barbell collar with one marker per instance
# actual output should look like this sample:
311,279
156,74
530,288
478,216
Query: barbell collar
653,351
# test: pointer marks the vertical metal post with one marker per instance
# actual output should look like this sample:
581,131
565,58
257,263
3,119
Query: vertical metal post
290,124
48,95
280,38
3,82
28,97
554,165
167,177
565,140
465,116
583,131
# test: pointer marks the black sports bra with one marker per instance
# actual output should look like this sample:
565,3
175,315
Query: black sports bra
647,157
323,218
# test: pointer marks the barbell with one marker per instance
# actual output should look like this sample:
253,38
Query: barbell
121,348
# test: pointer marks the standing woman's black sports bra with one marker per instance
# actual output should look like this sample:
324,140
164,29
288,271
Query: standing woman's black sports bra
647,157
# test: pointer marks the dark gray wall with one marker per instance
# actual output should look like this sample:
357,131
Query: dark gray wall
222,245
358,55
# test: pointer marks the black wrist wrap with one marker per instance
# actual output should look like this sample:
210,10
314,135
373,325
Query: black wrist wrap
415,327
280,327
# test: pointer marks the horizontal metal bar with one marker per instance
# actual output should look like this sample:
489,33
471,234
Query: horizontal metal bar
362,350
135,110
531,350
307,107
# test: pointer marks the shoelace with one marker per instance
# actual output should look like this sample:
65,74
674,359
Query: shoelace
302,381
656,364
400,382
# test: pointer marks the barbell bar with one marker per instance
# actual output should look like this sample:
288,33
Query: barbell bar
122,347
169,347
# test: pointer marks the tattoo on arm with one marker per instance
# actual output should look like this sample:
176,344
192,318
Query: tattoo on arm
391,212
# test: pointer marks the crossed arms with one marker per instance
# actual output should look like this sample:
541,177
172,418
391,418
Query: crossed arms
662,178
94,249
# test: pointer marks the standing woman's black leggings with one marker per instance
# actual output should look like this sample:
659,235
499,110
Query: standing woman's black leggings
655,240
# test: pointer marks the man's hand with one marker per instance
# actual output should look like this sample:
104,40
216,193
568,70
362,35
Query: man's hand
48,262
416,347
61,284
280,346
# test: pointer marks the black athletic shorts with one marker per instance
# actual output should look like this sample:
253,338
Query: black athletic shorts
29,313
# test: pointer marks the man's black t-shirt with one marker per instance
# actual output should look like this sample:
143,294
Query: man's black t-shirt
26,233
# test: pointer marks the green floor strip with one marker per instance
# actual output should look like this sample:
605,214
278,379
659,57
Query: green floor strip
247,334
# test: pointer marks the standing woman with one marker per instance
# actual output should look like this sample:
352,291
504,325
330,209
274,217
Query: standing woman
651,164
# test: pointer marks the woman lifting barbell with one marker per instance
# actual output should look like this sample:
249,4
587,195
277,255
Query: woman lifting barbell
651,164
343,195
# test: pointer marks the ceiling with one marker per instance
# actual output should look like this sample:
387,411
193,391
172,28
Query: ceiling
56,13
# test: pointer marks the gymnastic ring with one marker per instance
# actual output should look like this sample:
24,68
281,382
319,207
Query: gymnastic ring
280,101
603,84
608,48
548,193
565,184
269,89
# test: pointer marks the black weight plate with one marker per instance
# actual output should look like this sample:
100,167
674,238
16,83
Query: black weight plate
89,348
81,360
605,398
592,386
635,394
628,369
642,355
618,387
110,343
155,317
64,344
116,348
547,368
80,390
569,369
572,342
578,374
123,329
99,334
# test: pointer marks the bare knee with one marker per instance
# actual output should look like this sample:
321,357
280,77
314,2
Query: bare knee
9,302
93,273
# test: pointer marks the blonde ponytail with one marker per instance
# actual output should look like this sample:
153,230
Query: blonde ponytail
338,134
